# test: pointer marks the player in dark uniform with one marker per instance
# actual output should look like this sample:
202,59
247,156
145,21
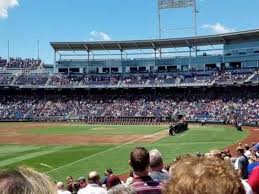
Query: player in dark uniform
171,129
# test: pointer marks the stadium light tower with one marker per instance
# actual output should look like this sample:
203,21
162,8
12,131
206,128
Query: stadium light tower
8,50
176,4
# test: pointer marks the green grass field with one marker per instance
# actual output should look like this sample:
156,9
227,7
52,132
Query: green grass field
59,161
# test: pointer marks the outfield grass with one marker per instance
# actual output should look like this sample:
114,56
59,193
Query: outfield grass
62,160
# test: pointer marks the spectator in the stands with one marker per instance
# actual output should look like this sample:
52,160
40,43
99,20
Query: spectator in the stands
215,153
157,171
70,181
203,175
130,178
241,163
107,173
82,182
93,186
247,151
113,181
61,188
142,182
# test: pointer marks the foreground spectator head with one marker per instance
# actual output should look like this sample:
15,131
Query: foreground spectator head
93,184
108,172
61,188
25,181
82,182
75,187
156,160
113,181
142,182
240,150
69,179
156,166
139,160
93,177
201,175
256,148
215,153
60,185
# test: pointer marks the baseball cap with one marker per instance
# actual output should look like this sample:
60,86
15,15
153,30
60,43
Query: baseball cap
256,147
81,178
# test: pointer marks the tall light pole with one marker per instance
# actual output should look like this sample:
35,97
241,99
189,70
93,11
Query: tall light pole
38,49
8,50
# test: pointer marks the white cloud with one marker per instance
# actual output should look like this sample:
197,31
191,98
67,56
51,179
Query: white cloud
99,36
218,28
5,5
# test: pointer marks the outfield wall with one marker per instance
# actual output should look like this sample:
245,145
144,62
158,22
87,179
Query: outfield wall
121,121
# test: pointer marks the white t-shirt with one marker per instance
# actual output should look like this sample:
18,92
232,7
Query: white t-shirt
247,187
63,192
92,189
248,153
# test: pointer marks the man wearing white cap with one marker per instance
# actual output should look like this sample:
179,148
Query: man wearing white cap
93,185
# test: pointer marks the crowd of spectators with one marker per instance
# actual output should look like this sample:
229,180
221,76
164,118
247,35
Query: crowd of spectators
139,80
62,80
6,79
225,108
32,79
19,63
215,172
230,77
152,79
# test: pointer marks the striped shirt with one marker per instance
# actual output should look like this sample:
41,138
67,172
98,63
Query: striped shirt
143,185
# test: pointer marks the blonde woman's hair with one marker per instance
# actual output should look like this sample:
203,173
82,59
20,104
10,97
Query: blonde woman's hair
202,175
25,181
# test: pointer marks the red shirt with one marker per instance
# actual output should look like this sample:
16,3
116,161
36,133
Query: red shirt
253,180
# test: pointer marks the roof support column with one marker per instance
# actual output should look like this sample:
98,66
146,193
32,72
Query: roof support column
88,61
190,58
55,62
121,54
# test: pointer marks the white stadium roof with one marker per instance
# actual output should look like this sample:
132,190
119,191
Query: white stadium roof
242,36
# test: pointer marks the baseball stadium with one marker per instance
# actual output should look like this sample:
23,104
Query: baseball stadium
98,100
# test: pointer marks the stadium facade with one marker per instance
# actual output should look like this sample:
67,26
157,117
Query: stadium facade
239,51
213,78
194,58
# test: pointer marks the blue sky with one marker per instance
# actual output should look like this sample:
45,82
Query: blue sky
23,22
